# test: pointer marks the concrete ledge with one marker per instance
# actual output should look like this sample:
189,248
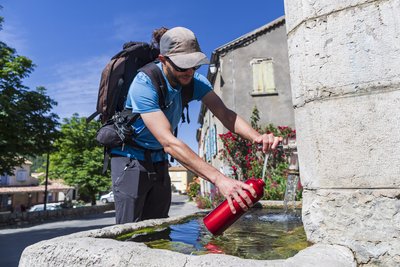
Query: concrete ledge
95,248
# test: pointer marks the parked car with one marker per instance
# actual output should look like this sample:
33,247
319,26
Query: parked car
49,206
107,197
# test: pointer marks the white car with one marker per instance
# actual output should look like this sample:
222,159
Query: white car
107,197
49,206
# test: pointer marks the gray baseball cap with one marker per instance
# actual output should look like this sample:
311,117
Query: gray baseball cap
181,46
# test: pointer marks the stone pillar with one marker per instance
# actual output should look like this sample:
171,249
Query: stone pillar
345,77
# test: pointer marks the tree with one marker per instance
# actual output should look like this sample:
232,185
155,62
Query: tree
38,163
28,126
255,118
78,159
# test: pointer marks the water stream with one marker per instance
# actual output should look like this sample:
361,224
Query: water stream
290,193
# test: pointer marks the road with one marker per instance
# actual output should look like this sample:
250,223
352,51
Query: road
14,240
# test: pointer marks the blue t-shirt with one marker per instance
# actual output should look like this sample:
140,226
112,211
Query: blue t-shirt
143,98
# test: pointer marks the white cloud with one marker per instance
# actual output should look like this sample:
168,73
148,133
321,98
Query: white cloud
76,86
12,35
73,85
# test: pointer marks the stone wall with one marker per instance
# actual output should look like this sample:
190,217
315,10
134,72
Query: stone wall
26,218
345,77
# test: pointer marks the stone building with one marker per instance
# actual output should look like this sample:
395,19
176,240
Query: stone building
250,71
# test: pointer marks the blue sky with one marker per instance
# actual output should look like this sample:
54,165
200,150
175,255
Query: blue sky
70,41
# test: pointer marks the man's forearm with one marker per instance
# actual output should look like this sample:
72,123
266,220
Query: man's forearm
229,118
236,124
244,129
181,152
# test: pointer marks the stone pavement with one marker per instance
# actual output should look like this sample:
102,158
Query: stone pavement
31,234
182,206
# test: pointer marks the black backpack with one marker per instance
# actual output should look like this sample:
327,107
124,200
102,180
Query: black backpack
115,81
119,73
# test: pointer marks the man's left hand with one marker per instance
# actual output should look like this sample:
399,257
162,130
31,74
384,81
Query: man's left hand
268,141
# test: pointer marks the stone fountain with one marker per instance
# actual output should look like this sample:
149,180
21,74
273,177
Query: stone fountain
290,149
345,78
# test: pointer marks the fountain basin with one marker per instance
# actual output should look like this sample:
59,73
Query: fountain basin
262,234
98,248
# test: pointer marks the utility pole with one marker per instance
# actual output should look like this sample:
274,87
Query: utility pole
47,179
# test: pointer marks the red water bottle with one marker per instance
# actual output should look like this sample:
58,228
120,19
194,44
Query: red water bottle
218,220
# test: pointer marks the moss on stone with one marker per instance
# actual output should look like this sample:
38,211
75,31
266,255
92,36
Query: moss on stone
141,231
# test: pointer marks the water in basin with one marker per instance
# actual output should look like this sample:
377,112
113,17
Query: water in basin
259,234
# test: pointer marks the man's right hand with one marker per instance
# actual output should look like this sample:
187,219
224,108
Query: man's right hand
235,190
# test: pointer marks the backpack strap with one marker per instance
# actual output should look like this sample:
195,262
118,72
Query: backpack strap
92,116
187,93
157,78
106,160
187,96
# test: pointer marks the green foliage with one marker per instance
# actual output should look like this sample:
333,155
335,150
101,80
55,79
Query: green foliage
38,163
255,118
275,182
193,189
27,125
78,159
246,159
211,200
203,202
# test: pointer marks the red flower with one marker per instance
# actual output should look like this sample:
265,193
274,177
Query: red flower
299,185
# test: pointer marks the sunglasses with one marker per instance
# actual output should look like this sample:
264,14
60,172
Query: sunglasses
178,69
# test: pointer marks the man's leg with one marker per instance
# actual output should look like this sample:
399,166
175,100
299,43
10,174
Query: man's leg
158,200
130,186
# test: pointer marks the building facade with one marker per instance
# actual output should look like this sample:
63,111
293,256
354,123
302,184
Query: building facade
21,190
250,71
180,178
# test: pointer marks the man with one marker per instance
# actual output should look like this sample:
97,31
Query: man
141,183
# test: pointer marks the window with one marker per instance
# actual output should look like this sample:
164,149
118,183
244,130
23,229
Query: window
22,175
263,76
208,149
3,201
213,141
3,179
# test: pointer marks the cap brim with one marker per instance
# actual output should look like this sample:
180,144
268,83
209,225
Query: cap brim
186,61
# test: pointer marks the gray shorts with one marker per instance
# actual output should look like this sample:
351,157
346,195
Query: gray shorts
140,194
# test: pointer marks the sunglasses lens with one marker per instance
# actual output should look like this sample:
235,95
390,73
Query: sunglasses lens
178,69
